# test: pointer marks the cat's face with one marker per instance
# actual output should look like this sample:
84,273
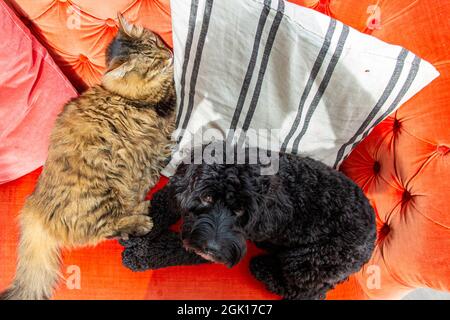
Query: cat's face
140,65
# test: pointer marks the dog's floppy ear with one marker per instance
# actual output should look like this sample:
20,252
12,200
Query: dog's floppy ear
183,183
269,209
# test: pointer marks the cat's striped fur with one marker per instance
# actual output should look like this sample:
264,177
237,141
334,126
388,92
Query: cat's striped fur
107,149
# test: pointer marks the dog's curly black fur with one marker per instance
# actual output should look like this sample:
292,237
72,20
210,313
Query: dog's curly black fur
316,225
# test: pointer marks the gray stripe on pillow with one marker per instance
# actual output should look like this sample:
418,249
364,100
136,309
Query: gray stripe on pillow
265,59
251,65
407,85
187,51
323,86
312,77
197,61
380,103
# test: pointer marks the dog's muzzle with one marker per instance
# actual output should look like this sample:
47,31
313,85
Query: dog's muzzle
215,236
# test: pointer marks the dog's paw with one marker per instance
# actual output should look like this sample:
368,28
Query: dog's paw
265,268
135,259
146,255
262,267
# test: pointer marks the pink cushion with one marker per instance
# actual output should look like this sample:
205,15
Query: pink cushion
32,93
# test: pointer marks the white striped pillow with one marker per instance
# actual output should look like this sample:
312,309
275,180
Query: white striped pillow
318,85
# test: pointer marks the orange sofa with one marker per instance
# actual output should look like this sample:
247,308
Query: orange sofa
403,165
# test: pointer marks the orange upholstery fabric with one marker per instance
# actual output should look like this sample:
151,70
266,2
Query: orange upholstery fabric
403,165
76,33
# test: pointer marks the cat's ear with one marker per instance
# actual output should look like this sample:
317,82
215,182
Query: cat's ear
128,29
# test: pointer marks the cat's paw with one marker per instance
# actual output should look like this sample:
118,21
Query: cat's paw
143,225
131,242
143,208
135,225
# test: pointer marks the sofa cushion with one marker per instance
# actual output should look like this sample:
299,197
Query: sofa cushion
33,91
408,151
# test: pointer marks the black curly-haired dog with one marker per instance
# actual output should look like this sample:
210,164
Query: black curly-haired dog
316,225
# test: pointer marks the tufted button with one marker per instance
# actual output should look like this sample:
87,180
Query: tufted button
406,196
110,23
376,167
396,125
82,58
383,232
442,150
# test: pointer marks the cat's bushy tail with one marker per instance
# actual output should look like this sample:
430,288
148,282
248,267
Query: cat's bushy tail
38,262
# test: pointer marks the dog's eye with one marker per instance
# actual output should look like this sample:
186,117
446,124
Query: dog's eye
207,199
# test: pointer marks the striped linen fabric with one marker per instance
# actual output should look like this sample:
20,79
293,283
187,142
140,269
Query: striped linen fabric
289,77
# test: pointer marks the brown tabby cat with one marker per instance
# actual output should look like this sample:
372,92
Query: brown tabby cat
107,149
